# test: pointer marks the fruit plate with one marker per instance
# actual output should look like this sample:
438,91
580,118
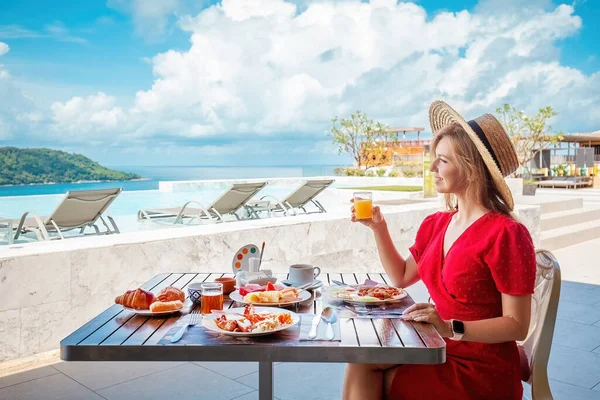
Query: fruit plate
303,295
208,321
187,305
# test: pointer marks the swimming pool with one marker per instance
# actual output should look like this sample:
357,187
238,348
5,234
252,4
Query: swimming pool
128,202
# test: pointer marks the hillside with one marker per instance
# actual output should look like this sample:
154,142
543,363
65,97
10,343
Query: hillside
26,166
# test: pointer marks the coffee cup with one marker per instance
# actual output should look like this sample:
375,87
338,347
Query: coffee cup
301,274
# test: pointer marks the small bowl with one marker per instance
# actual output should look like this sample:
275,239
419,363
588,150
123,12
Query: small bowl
228,284
195,291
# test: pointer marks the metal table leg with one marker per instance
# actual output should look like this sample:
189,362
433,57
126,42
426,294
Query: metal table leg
265,380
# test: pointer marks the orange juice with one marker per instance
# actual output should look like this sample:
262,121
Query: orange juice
363,208
211,302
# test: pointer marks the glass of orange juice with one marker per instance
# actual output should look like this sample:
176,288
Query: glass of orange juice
212,297
363,205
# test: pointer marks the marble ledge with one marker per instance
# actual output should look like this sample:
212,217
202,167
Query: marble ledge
90,242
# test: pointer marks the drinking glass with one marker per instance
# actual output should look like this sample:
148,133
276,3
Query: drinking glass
254,264
363,205
212,297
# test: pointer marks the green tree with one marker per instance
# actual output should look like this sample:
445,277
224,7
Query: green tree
529,135
360,137
28,166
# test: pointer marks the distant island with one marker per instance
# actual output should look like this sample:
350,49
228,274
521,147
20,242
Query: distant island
39,166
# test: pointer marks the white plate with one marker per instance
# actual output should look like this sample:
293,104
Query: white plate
303,296
208,321
362,301
148,313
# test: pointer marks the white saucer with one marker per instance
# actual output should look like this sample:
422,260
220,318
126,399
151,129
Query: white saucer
316,284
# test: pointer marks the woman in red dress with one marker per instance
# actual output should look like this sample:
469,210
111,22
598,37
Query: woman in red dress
478,264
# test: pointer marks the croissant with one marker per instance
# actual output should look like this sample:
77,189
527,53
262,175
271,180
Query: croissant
171,293
138,299
159,306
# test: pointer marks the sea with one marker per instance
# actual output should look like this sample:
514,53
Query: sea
154,174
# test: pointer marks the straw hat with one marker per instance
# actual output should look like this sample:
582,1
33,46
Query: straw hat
489,137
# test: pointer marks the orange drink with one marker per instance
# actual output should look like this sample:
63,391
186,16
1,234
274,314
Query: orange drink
363,205
212,297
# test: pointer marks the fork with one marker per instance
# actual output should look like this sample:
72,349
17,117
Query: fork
194,320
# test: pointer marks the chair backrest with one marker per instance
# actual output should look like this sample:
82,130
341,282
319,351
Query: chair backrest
81,207
544,306
307,191
236,196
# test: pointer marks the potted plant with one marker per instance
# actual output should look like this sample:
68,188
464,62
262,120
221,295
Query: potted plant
529,187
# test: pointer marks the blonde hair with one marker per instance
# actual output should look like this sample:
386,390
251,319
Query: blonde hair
480,187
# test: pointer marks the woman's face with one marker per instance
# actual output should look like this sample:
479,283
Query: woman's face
448,178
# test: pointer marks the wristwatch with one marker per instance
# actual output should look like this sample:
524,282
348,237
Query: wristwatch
458,329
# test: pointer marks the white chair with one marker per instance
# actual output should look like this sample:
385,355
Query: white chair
298,199
535,349
79,209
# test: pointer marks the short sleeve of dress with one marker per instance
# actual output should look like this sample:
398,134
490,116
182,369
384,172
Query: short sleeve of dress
511,260
423,237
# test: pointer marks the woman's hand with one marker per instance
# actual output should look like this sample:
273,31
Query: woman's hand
425,312
372,223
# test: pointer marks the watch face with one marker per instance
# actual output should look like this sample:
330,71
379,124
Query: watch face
458,326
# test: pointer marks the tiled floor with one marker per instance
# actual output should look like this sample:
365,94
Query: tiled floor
574,367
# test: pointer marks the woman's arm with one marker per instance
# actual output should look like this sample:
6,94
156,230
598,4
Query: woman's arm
512,325
403,273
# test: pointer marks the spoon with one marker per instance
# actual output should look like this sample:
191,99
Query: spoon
329,316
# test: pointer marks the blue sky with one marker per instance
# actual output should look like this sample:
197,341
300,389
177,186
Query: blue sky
244,81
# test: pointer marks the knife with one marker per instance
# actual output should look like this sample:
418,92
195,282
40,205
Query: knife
313,330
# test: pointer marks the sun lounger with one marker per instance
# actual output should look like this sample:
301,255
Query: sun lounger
229,203
79,209
296,200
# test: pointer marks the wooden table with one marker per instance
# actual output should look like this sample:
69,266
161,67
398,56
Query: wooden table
119,335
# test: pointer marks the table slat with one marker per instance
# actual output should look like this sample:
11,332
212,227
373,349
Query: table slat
408,334
387,333
376,277
365,331
100,335
349,279
332,277
91,326
361,277
348,331
429,334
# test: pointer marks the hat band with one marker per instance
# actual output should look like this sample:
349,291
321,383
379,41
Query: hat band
477,129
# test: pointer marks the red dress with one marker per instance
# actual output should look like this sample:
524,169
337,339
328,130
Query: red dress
494,255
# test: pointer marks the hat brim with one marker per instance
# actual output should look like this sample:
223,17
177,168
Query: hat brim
442,115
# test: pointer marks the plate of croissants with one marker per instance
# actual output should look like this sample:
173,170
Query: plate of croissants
168,301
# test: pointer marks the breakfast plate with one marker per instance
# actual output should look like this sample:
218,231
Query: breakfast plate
147,313
361,294
303,295
270,323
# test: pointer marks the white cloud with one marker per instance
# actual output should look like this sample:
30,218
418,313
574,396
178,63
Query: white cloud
270,68
14,107
4,48
56,30
94,116
59,31
151,17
